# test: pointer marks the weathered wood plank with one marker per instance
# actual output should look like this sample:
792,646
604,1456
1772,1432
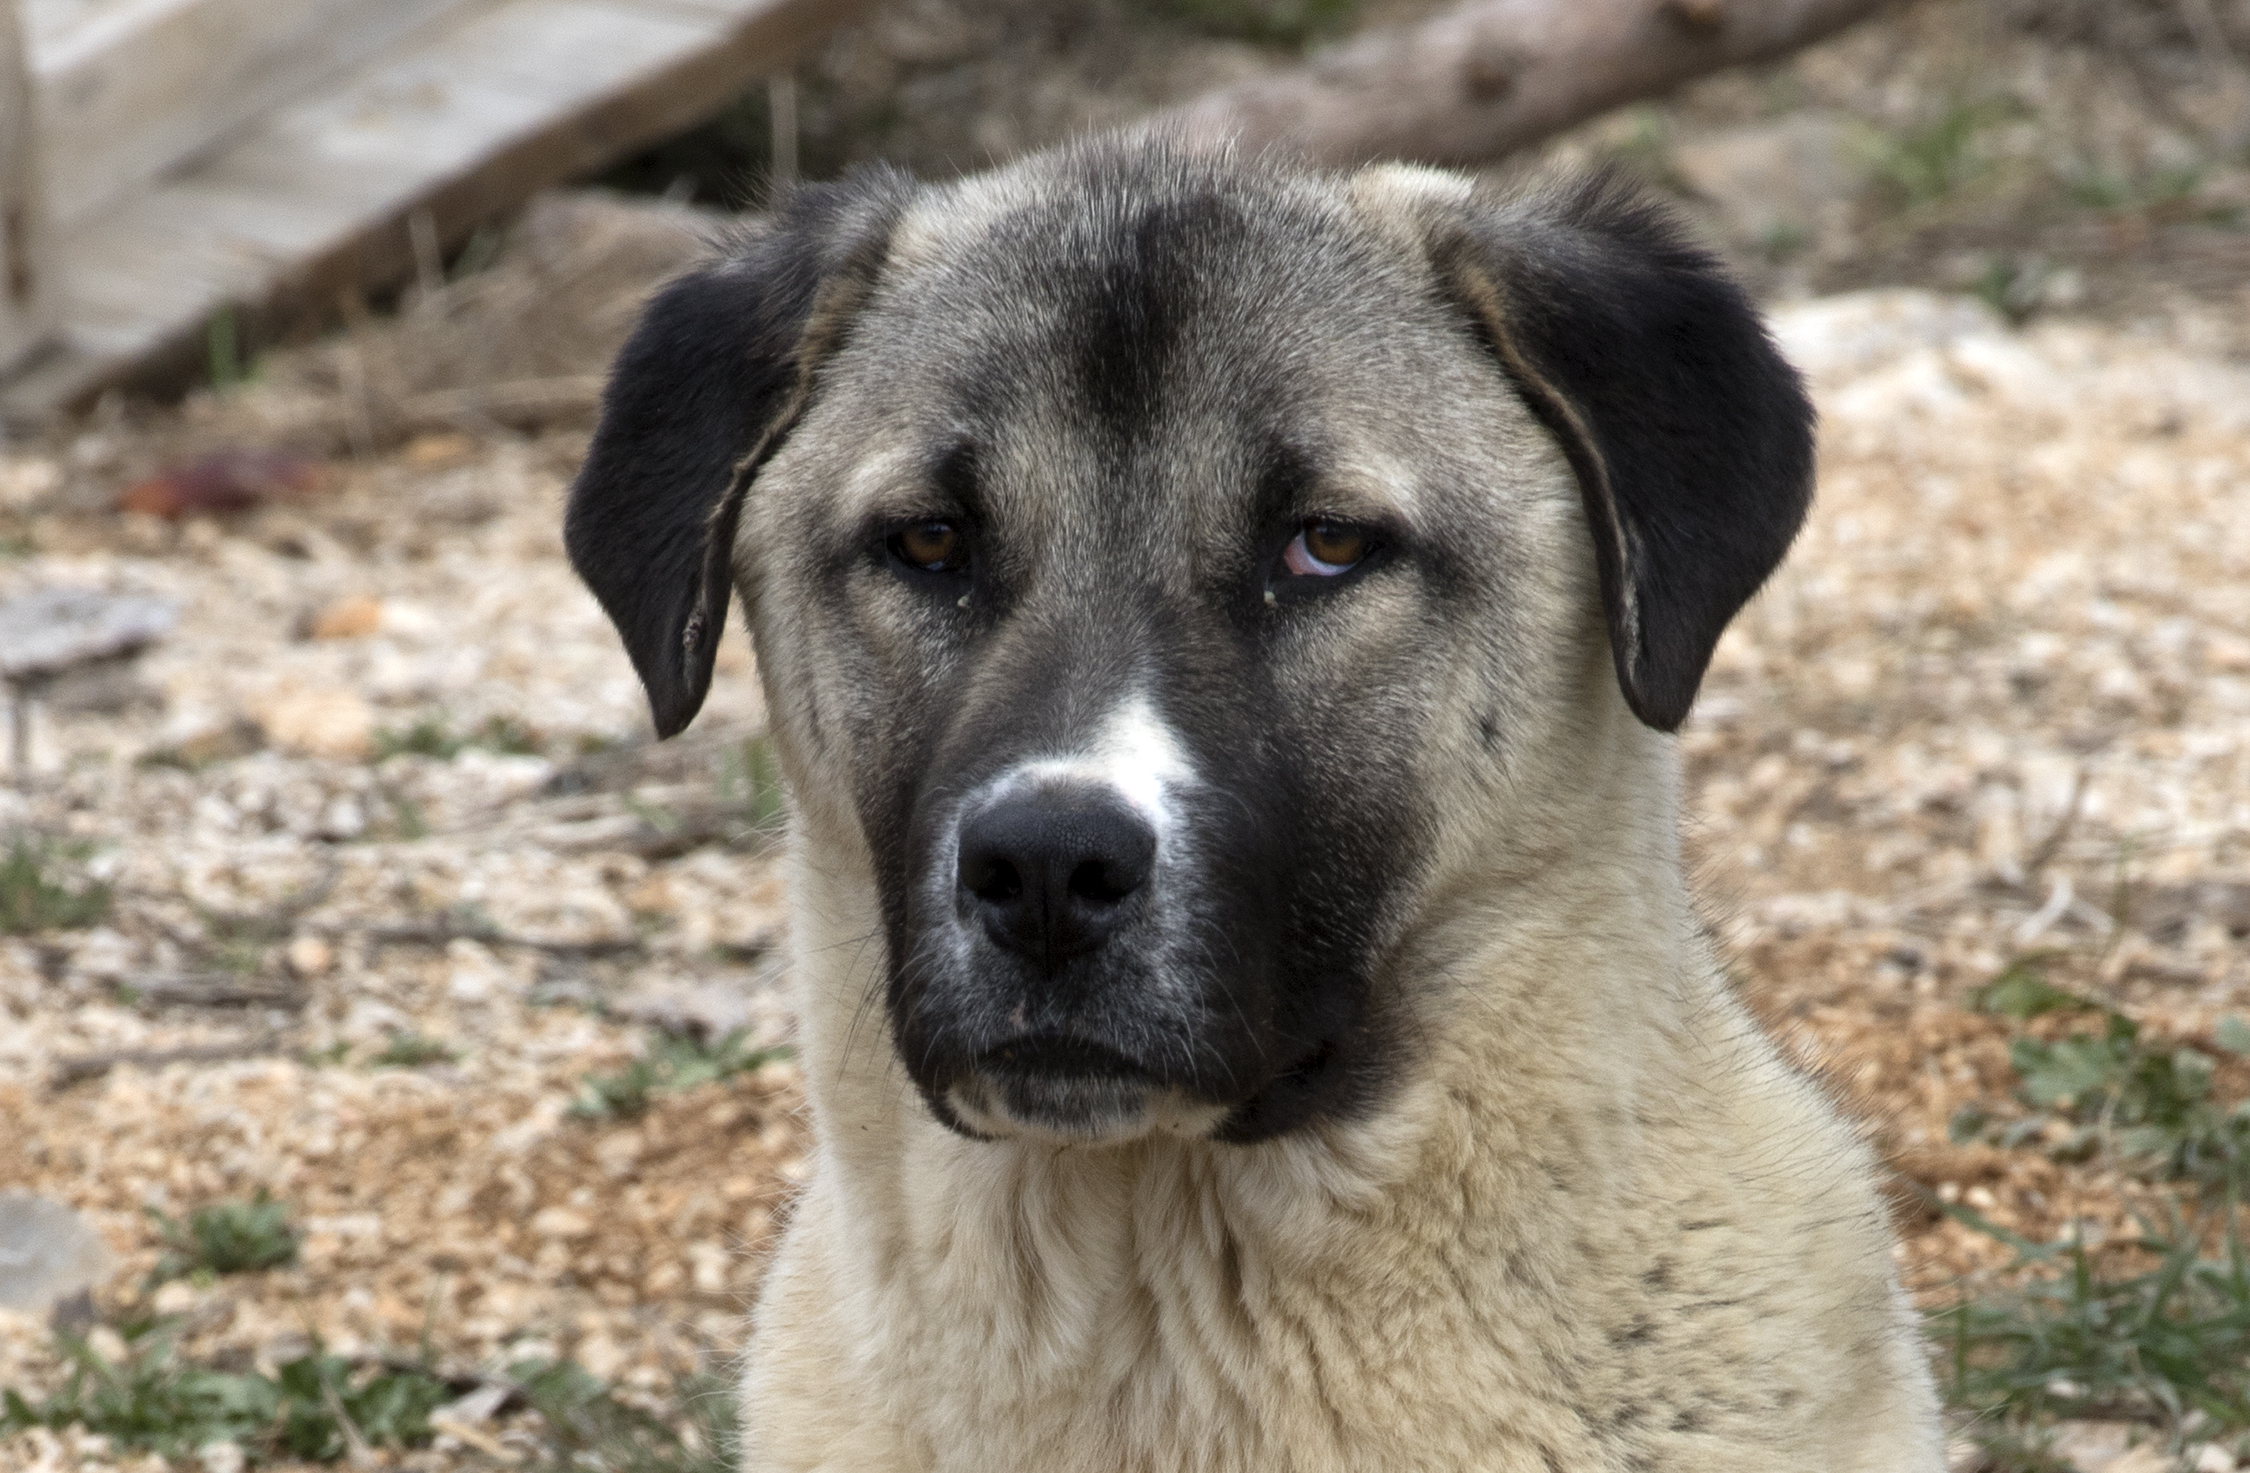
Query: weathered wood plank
463,121
128,91
26,294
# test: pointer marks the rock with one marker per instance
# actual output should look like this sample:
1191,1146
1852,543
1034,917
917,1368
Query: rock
45,633
1778,177
47,1253
1853,334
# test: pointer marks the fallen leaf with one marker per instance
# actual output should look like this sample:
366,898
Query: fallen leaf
228,481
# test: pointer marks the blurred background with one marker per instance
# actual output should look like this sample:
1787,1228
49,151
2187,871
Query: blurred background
394,1042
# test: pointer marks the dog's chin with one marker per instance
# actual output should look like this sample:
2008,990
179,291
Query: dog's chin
1075,1109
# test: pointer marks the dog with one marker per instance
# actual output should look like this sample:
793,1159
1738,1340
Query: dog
1221,625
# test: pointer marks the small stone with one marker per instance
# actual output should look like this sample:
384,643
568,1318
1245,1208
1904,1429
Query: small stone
708,1264
561,1222
348,618
343,820
25,480
427,452
332,723
222,742
176,1297
222,1457
600,1355
105,954
310,956
2212,1458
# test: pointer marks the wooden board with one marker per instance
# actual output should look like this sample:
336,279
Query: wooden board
463,121
128,89
26,293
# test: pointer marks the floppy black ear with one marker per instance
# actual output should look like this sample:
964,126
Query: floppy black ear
701,395
1691,437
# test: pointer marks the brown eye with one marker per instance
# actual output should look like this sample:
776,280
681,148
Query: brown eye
1334,543
933,547
1325,549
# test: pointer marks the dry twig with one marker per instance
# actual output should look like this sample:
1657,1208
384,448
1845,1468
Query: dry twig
79,1068
1490,76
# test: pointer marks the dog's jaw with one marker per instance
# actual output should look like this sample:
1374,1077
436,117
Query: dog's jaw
1073,1110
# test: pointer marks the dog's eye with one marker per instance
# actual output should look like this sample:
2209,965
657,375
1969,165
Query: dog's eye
931,547
1323,549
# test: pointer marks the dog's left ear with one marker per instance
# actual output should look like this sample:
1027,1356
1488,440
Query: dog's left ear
1691,436
702,394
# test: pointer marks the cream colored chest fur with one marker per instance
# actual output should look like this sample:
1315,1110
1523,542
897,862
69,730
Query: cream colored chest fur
1609,1230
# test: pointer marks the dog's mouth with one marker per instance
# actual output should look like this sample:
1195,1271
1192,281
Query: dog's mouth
1071,1090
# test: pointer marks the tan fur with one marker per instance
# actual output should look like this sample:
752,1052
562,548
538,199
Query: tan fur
1601,1226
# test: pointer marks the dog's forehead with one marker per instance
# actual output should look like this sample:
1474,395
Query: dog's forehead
1177,329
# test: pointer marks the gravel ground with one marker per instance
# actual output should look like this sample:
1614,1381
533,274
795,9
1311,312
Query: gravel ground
396,871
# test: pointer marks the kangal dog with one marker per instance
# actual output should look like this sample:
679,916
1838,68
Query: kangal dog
1222,625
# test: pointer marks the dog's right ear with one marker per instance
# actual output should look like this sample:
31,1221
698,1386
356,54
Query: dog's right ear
702,394
1689,434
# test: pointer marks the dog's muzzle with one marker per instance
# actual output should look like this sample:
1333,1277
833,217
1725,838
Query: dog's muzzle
1050,1015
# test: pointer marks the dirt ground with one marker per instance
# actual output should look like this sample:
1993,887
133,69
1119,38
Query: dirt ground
396,868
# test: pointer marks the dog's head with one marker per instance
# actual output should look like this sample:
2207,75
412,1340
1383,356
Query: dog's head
1167,572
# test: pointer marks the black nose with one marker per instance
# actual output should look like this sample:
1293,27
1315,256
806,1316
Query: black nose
1050,871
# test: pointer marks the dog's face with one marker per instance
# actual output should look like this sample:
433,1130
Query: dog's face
1160,566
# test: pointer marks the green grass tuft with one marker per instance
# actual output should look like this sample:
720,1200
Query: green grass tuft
151,1399
389,1409
226,1238
434,736
591,1431
670,1064
413,1051
34,895
1923,164
2155,1346
2107,1089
